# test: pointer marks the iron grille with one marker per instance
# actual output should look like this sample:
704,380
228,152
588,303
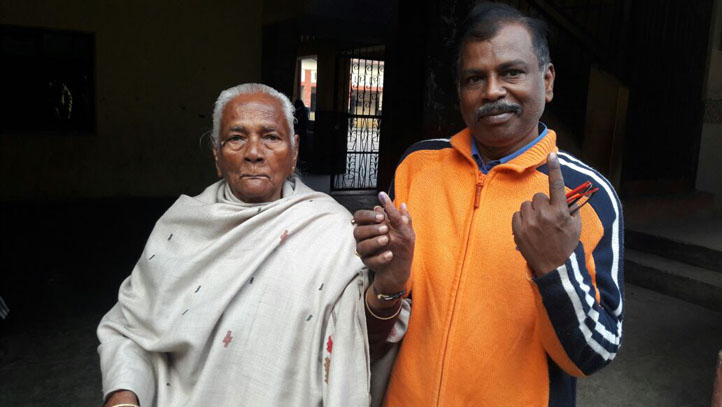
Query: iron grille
363,105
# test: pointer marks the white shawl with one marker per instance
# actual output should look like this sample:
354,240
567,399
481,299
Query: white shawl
235,304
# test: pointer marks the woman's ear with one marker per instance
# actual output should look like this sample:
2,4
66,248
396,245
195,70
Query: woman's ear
215,159
296,140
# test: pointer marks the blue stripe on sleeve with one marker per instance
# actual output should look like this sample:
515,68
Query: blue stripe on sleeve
590,332
609,252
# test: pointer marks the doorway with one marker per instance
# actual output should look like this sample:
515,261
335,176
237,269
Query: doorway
361,83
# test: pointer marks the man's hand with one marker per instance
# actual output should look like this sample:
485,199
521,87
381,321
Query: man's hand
544,231
385,242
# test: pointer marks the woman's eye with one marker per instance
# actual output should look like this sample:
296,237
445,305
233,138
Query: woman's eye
234,140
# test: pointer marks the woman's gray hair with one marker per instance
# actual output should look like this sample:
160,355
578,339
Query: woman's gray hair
249,88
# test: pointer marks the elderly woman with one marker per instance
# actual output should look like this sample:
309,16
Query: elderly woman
251,292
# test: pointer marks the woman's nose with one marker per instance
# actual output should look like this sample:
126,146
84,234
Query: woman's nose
254,150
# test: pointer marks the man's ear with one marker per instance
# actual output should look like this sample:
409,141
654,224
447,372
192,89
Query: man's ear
215,159
549,75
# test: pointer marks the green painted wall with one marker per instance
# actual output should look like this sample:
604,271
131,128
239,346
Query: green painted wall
159,67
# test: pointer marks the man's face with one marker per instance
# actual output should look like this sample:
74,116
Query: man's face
255,156
502,91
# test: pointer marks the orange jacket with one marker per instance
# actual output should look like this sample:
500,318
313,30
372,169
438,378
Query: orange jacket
483,331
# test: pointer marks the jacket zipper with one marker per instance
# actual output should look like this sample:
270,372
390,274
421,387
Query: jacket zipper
477,194
477,199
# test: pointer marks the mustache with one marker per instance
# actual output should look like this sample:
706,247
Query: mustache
498,107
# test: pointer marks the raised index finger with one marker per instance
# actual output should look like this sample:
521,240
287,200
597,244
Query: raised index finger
557,195
395,217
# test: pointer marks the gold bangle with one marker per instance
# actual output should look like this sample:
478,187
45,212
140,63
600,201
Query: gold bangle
401,305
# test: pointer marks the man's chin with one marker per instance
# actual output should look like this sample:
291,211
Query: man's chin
497,136
494,130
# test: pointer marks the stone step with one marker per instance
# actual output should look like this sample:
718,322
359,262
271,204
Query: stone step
674,249
690,283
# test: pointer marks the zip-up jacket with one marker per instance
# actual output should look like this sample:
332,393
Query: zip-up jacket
484,331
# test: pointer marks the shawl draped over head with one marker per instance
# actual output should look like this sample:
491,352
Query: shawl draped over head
243,304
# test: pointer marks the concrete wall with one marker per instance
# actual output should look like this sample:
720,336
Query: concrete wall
159,67
709,171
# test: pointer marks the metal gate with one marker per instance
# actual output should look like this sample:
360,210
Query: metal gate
361,82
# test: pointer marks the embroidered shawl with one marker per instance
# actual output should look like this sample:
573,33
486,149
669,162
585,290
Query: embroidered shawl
243,304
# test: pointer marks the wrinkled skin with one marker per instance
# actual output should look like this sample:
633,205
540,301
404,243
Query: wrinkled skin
266,156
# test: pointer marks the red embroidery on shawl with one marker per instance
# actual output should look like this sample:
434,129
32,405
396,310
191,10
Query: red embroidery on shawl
227,340
329,345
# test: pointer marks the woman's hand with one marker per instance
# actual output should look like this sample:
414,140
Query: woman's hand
121,397
385,241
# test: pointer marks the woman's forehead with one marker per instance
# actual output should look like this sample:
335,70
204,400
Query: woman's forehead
254,110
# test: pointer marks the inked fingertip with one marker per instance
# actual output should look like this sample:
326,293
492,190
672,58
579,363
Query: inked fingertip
553,157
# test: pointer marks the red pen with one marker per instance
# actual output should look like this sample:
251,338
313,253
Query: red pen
574,191
581,193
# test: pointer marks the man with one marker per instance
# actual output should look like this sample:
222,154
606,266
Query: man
249,293
301,114
514,294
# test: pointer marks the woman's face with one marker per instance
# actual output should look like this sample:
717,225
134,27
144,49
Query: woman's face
255,155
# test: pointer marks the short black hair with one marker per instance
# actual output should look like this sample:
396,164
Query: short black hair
486,19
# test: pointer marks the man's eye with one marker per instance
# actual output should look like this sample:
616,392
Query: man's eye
471,80
272,137
512,73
